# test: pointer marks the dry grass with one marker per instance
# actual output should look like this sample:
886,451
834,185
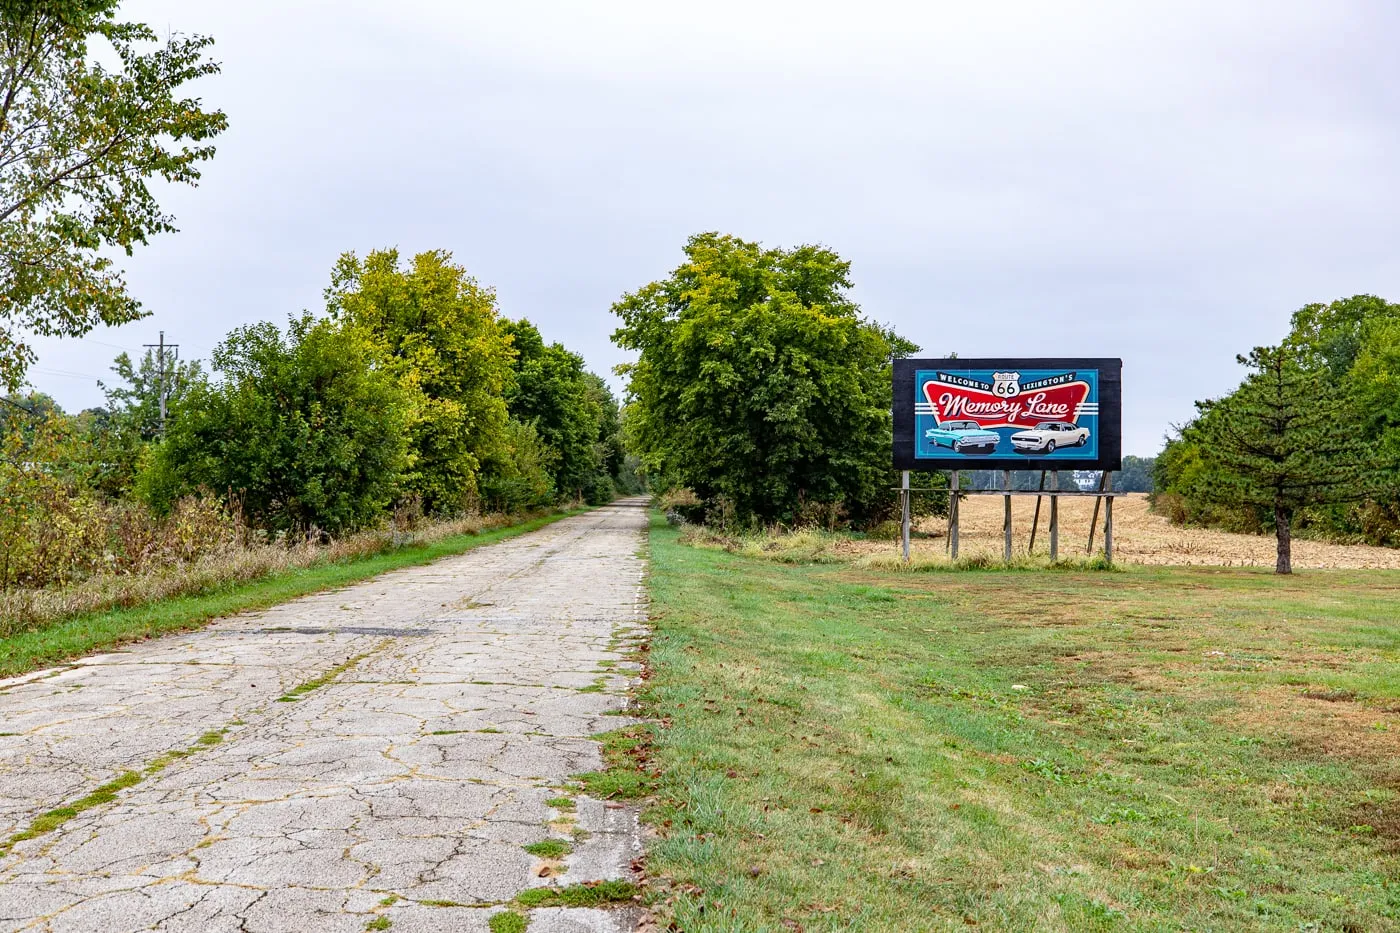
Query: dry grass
31,609
1139,537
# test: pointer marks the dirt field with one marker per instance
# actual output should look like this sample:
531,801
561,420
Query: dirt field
1138,537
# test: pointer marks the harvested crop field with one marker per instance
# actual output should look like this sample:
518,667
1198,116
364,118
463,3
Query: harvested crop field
1138,537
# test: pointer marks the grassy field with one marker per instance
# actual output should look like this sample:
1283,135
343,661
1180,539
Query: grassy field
39,647
1146,749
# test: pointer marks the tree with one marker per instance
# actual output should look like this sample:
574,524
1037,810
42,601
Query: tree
517,475
79,143
134,402
442,336
308,431
567,405
758,380
608,450
1136,475
121,432
1331,335
1281,442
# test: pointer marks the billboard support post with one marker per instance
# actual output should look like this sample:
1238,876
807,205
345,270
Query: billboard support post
953,498
1094,522
1054,516
1035,520
1108,518
1006,514
905,512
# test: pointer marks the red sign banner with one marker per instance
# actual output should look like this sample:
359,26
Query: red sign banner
1022,410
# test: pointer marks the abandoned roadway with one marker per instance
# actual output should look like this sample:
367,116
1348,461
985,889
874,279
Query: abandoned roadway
372,757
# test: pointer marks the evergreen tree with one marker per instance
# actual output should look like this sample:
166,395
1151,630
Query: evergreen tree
1281,442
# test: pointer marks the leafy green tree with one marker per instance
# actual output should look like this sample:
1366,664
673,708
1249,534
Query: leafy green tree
445,343
759,381
122,431
307,430
1136,475
1281,442
608,451
1331,335
517,477
79,143
568,406
134,401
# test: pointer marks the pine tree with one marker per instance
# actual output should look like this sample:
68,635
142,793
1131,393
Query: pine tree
1283,441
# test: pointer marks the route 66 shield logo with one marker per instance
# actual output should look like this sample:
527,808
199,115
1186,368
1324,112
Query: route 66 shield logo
1005,385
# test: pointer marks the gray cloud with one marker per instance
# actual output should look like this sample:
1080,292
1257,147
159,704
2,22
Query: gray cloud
1164,182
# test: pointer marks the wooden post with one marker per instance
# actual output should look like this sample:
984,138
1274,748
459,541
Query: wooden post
1006,520
953,515
1035,521
1094,525
904,514
1108,518
1054,516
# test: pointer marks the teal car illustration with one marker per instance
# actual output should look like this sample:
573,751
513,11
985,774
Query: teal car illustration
962,436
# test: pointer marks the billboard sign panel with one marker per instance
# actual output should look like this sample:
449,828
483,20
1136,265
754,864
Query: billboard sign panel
1008,414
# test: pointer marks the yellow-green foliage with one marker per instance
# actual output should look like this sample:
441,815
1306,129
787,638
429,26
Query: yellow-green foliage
54,529
442,334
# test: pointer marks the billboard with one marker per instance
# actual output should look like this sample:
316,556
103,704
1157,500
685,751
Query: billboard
1008,414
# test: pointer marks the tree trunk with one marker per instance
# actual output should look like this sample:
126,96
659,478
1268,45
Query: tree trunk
1283,527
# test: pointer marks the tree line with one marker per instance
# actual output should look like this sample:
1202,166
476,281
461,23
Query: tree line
1308,442
410,392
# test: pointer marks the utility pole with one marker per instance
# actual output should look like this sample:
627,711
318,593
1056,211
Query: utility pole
162,391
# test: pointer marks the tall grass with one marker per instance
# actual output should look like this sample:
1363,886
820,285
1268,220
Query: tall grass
236,559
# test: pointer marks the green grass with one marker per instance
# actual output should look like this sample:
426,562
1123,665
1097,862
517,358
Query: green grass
592,894
301,689
71,638
621,778
379,923
549,848
507,922
1151,749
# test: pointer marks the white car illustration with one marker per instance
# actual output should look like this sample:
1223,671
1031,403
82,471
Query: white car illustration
1047,436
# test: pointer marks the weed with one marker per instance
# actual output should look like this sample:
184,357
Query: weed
549,848
300,690
624,750
49,821
592,894
507,921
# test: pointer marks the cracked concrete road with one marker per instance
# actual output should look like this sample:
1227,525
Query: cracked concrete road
465,694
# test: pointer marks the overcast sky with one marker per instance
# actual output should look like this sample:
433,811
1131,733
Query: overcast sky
1165,182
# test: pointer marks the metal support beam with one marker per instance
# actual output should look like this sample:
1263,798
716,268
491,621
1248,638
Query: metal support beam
1055,516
